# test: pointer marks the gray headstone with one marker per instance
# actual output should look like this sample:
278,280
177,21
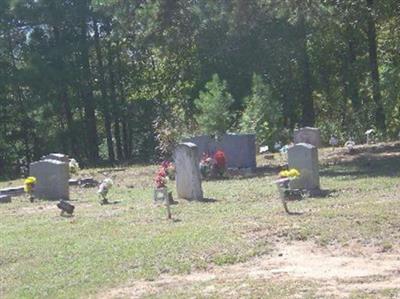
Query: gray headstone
308,135
304,157
188,177
52,179
56,156
239,149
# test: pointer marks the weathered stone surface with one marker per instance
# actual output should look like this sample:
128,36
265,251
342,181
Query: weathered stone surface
5,198
188,177
56,156
239,149
52,179
304,157
13,191
308,135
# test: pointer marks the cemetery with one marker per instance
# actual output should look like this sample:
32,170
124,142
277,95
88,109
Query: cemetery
199,149
215,233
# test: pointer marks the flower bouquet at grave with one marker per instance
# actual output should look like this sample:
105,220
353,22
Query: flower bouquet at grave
220,163
206,165
169,169
73,166
104,187
29,185
161,185
287,194
161,178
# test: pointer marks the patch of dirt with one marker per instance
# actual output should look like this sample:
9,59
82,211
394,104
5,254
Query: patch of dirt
337,271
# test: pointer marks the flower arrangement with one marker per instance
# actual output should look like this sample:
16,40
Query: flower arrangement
104,187
350,144
206,165
73,166
161,178
290,174
285,192
169,169
220,162
29,184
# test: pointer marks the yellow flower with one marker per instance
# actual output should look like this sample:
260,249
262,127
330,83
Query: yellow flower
294,172
284,174
28,183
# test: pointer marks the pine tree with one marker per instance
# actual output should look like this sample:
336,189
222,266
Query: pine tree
214,117
262,114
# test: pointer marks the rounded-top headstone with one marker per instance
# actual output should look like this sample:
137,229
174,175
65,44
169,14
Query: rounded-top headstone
304,157
188,177
308,135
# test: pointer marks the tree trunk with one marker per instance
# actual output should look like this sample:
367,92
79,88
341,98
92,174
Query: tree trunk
105,105
87,92
308,113
126,111
115,104
373,64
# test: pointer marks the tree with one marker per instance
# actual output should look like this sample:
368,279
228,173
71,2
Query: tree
213,104
263,113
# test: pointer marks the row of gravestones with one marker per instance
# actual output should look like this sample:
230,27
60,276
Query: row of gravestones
52,171
302,156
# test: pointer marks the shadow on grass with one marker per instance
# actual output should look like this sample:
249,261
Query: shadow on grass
208,200
364,166
242,174
321,193
110,203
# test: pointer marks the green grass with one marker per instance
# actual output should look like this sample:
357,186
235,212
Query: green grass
43,255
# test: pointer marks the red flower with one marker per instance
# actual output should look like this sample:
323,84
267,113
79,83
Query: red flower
220,159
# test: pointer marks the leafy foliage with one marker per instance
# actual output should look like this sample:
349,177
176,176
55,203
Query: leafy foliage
263,114
214,105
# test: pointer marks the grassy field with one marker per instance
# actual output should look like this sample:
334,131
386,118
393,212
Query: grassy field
109,247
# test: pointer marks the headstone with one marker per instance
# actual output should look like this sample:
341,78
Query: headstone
240,149
308,135
304,157
188,177
56,156
5,198
52,179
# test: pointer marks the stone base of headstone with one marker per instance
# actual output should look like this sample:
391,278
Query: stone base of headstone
5,198
13,191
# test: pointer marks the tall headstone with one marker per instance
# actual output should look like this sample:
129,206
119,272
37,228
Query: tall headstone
56,156
308,135
52,179
304,157
188,177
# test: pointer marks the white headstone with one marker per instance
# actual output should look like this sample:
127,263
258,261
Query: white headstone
304,157
308,135
52,179
188,177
